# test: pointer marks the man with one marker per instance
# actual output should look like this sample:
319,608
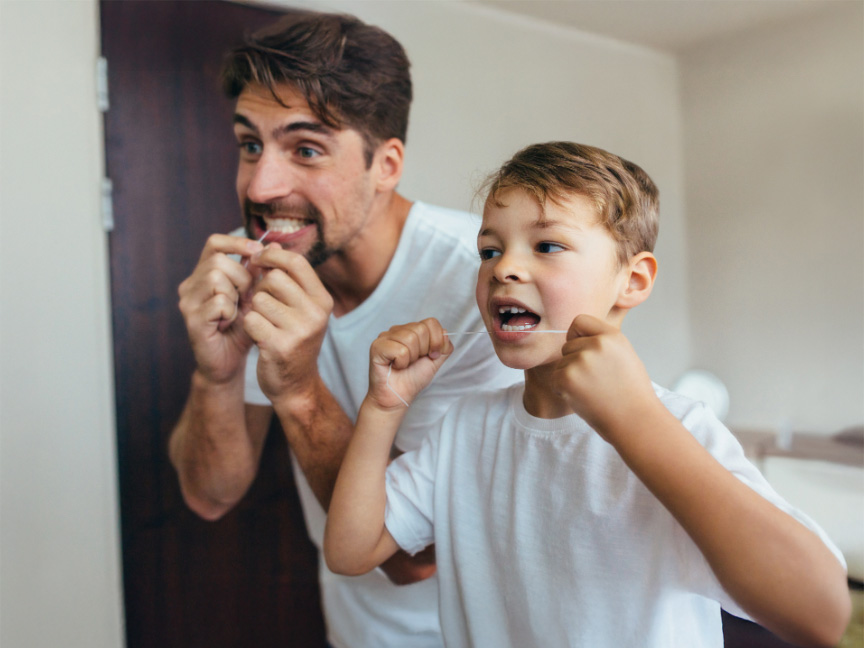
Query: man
282,321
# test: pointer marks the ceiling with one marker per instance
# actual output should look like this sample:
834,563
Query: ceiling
672,26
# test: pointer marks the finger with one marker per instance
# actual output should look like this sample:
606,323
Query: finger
388,351
586,326
295,266
226,244
439,342
415,338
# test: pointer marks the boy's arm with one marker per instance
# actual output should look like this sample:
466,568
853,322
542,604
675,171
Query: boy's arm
402,362
776,569
355,539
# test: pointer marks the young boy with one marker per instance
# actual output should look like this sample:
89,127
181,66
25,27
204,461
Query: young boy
587,506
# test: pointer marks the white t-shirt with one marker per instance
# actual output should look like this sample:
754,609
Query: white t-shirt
432,274
544,537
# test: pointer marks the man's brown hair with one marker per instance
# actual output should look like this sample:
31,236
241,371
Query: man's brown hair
625,198
351,74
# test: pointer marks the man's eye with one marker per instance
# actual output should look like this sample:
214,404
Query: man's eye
488,253
548,248
307,152
250,148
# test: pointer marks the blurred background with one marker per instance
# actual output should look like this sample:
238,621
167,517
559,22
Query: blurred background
748,115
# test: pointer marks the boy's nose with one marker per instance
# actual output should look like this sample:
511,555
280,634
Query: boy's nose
509,269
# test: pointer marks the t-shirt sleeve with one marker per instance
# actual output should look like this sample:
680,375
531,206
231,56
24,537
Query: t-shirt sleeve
724,447
410,485
253,394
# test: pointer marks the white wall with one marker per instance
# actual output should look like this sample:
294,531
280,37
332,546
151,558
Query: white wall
774,149
488,83
59,561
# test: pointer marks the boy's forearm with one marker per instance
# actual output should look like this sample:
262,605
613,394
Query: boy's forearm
355,539
779,571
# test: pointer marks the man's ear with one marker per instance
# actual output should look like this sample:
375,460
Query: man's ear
638,280
388,162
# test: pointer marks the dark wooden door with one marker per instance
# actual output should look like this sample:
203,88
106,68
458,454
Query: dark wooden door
250,578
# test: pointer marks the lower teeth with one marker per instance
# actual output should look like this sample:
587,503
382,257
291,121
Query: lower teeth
524,327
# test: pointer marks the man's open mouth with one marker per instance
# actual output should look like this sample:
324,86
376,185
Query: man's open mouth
282,225
516,318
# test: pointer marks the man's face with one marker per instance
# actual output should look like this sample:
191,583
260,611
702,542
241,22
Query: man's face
304,182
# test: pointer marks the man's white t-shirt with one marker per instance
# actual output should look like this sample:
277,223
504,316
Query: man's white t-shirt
544,537
432,274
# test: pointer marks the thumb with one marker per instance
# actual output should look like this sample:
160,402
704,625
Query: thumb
586,326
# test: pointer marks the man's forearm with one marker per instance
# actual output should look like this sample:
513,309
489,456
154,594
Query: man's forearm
319,431
211,448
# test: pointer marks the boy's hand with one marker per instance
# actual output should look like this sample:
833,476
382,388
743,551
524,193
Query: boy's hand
406,358
602,378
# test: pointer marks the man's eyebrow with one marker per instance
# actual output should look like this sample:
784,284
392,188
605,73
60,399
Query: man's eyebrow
314,127
311,126
243,121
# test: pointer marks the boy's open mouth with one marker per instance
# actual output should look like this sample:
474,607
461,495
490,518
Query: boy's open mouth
516,318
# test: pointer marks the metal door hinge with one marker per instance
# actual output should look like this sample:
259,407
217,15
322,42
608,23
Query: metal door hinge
107,205
102,84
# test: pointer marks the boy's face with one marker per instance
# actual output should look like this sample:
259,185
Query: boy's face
548,269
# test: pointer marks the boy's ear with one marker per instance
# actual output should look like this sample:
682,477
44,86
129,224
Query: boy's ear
388,162
638,280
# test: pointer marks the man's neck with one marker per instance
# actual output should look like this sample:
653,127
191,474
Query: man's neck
352,275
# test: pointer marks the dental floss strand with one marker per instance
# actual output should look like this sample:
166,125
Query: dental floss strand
260,240
390,368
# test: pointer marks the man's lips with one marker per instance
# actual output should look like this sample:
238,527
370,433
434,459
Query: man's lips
279,229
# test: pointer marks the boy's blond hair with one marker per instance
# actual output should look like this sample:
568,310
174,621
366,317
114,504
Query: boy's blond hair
626,199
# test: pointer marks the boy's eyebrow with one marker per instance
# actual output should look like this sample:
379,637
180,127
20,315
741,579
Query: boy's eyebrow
547,223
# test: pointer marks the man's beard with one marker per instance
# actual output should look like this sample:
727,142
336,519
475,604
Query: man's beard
318,253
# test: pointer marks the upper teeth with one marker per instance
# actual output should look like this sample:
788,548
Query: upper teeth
510,309
285,225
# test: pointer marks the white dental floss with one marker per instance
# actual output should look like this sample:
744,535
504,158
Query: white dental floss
390,368
260,240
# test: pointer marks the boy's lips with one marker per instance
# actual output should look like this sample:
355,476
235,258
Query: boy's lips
510,316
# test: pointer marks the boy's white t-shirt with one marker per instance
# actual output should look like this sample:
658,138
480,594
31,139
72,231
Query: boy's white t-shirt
432,274
544,537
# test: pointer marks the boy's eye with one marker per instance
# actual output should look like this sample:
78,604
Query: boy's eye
547,248
488,253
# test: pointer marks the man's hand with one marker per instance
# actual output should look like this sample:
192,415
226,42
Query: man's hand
601,377
213,300
287,319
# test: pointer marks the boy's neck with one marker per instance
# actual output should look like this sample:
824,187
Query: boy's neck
540,399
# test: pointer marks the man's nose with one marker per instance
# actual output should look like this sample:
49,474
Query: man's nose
272,179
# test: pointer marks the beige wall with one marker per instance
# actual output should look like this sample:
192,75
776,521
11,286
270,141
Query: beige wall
488,83
59,562
774,149
775,293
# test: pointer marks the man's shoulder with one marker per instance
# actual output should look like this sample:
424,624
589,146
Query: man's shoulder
448,223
